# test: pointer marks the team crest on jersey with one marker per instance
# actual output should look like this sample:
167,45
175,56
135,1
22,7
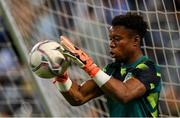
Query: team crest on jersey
128,76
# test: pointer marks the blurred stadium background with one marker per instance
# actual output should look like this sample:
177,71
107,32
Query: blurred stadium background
25,22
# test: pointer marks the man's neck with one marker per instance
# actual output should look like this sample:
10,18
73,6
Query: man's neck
133,58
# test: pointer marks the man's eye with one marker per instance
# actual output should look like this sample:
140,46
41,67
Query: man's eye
116,38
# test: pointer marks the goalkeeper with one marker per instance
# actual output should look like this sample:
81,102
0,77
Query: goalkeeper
131,83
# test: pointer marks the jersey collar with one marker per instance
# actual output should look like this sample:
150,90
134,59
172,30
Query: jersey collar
140,59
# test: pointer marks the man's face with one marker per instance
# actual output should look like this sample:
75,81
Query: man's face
121,43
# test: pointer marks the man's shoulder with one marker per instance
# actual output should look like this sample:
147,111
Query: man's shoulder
147,71
147,63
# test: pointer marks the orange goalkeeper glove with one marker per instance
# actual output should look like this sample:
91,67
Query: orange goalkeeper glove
78,56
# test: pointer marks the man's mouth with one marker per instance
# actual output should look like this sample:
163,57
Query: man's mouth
112,53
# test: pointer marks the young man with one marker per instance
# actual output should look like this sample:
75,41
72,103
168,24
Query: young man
131,83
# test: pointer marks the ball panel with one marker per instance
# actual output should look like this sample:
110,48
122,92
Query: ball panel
35,59
44,71
49,45
55,58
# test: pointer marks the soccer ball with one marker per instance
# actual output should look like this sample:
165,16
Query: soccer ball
46,61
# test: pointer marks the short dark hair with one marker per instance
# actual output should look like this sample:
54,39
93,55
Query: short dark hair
131,21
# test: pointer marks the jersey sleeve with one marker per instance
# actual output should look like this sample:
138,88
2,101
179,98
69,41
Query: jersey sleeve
108,69
147,73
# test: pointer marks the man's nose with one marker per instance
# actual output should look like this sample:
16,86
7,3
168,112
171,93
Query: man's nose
111,44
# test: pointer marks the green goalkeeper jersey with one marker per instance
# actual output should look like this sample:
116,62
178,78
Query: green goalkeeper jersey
149,74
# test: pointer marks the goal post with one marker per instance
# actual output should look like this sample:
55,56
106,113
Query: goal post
13,39
86,23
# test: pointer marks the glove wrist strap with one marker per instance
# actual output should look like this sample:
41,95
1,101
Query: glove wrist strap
101,78
64,87
63,83
61,79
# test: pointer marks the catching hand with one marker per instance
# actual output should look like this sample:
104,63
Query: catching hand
78,56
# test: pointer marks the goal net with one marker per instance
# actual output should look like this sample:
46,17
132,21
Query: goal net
85,22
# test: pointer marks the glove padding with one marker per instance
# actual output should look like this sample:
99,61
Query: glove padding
78,56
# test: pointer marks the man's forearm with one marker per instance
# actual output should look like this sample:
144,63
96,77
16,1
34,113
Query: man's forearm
73,96
80,94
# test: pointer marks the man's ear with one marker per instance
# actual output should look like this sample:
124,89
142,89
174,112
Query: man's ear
137,40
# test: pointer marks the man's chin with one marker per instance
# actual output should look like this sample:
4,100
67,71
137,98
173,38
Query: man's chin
116,58
113,56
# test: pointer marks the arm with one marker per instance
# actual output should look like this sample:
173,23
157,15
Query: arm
121,91
80,94
124,91
142,79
